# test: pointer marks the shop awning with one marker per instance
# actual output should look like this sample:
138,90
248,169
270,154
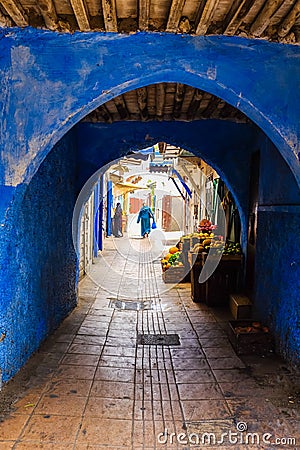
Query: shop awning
124,188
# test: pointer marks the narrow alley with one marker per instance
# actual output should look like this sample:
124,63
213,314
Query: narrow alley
142,367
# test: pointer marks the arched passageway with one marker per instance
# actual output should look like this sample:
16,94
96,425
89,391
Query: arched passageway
49,266
205,64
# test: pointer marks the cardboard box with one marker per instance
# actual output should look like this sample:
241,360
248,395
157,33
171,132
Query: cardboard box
240,306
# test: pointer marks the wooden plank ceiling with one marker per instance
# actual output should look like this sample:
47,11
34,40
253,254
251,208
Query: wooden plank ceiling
165,101
275,20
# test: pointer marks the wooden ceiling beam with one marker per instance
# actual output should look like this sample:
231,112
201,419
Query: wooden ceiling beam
264,17
121,107
289,20
160,99
141,95
48,12
178,100
144,14
81,14
110,15
237,18
211,108
5,21
175,15
16,12
231,12
195,103
207,16
105,114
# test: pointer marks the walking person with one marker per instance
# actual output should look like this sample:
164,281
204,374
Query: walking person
144,217
117,222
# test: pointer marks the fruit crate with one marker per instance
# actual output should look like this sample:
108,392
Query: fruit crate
186,245
245,343
174,274
223,281
194,240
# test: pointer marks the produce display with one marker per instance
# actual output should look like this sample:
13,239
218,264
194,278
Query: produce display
172,259
232,249
205,240
255,327
206,226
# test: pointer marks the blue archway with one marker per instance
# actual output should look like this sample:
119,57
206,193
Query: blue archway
257,77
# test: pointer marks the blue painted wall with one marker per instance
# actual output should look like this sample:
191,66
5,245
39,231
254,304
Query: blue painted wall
50,81
278,257
38,263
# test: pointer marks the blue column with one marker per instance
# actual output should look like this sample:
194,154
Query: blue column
100,237
96,220
109,207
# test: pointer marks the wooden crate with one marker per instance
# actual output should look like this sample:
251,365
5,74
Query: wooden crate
244,343
174,275
223,281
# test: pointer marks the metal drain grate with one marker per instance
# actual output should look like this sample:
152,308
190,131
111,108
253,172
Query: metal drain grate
158,339
129,305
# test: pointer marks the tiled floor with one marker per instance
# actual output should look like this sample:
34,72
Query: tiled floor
94,387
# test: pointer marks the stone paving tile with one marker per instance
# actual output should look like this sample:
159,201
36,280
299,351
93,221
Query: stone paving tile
226,363
77,372
234,389
203,375
100,447
96,388
114,374
119,351
57,347
110,361
186,353
189,364
36,445
112,389
51,428
156,392
202,391
251,408
27,403
68,338
105,432
231,375
219,352
60,404
214,342
6,445
87,340
78,388
80,360
85,349
109,408
11,427
195,410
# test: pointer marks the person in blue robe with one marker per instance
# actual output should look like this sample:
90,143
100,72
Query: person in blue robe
144,217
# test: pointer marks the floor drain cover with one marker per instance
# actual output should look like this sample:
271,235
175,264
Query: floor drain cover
158,339
129,305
